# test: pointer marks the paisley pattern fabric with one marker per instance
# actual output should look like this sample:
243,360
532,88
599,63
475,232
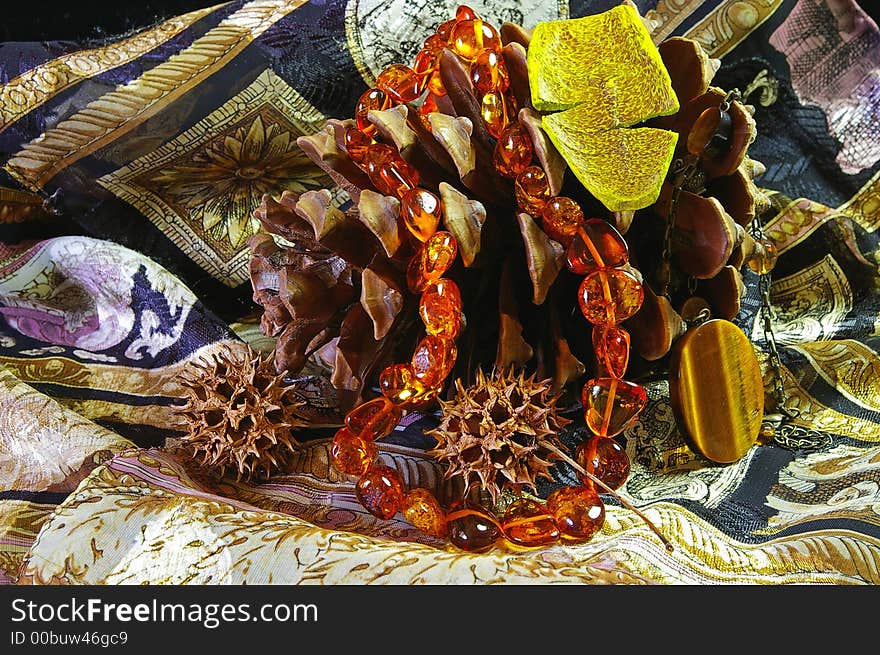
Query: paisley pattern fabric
130,172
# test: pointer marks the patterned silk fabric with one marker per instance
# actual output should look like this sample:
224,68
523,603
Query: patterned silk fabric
130,172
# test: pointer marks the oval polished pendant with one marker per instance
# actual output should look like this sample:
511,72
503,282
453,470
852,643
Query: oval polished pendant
716,390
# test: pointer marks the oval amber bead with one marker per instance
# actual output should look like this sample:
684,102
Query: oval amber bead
472,530
463,12
371,99
610,296
356,144
604,458
380,491
488,72
352,453
561,217
433,360
494,112
421,508
527,524
611,345
421,211
398,384
374,418
444,30
441,316
424,66
611,405
532,190
596,244
396,177
513,151
431,261
399,82
376,156
469,37
578,511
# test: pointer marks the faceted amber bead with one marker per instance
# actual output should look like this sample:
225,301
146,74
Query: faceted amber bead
374,418
399,82
398,384
604,458
578,511
494,113
433,360
488,72
513,151
561,218
468,37
472,529
610,296
611,345
441,315
611,405
420,210
352,453
380,491
532,190
422,510
431,261
463,12
356,144
527,524
764,259
596,244
370,100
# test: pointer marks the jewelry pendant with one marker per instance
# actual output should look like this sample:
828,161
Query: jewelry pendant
784,434
716,390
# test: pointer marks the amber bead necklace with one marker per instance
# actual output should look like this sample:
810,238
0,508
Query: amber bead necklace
611,292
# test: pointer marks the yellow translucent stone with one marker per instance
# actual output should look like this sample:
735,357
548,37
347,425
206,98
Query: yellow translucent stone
421,508
605,74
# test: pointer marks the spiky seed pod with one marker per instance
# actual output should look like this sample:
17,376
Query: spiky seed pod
500,432
239,414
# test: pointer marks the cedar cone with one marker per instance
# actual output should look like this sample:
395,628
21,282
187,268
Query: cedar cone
239,413
335,281
500,432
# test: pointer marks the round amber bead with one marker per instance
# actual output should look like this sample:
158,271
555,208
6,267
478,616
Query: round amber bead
611,345
374,418
513,151
532,190
596,244
578,511
488,72
398,384
431,261
420,210
494,112
352,453
764,258
380,491
561,218
604,458
433,360
469,37
527,524
610,296
399,82
422,510
611,405
472,530
370,100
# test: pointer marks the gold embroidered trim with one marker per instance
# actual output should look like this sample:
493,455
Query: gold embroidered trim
123,109
864,206
40,84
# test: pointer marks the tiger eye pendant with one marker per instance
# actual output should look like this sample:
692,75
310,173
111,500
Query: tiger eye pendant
716,390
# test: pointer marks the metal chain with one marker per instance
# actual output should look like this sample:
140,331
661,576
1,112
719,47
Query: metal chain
779,424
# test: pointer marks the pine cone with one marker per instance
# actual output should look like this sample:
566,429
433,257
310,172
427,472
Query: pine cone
239,413
511,272
499,432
